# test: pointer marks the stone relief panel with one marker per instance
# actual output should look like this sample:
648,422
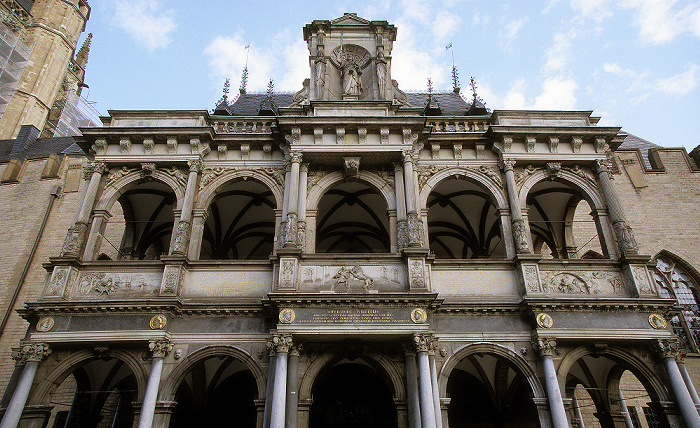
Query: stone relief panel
104,285
458,282
353,278
597,282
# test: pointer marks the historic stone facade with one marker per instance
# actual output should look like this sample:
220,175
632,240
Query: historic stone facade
353,256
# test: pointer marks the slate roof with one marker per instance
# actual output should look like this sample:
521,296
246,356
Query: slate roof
249,104
451,104
25,147
633,142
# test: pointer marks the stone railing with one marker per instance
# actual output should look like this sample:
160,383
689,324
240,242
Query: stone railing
243,125
458,124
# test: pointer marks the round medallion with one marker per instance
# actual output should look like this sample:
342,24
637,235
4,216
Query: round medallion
158,322
419,316
657,321
544,320
287,316
45,324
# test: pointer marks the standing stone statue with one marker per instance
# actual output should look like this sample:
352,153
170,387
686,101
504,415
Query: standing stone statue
351,81
381,73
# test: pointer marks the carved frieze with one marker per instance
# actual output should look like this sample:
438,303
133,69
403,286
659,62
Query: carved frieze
523,174
582,282
93,284
577,170
117,173
355,278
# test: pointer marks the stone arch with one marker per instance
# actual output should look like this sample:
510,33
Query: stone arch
41,391
207,194
587,189
690,269
499,198
642,371
113,191
171,382
334,355
324,184
496,350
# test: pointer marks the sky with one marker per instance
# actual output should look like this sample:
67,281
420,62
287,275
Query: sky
635,63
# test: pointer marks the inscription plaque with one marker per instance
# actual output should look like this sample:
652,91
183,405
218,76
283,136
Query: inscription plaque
362,316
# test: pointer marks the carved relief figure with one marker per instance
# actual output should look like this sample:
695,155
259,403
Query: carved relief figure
351,80
381,73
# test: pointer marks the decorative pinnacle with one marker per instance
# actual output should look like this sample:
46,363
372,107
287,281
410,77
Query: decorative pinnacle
227,86
270,89
472,84
82,56
430,86
455,79
244,80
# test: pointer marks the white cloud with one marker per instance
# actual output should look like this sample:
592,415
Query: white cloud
681,83
558,93
510,30
549,6
145,21
411,66
660,21
480,20
417,10
445,24
597,10
616,69
559,53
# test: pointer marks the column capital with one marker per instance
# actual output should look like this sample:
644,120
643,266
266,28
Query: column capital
295,349
544,346
668,348
602,166
408,156
422,342
160,347
280,343
94,167
506,164
195,165
295,156
30,351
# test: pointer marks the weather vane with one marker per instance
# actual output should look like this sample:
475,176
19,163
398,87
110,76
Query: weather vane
455,75
244,77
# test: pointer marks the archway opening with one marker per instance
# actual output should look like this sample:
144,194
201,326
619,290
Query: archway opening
240,223
486,391
352,394
562,224
216,392
352,218
141,223
463,222
96,394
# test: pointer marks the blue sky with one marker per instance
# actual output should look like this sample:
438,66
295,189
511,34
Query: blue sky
635,63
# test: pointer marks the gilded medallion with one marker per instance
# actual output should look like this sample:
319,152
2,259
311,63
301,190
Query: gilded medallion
158,322
419,316
544,320
657,321
45,324
287,316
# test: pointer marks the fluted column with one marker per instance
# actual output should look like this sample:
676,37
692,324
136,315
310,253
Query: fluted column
182,237
76,234
517,222
292,202
292,387
427,407
412,396
159,349
434,382
281,344
669,351
623,232
546,348
31,354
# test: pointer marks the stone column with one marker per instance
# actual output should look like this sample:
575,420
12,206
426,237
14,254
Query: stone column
414,222
301,206
94,238
76,234
624,410
434,382
285,202
270,385
412,397
159,349
31,354
577,410
282,343
292,387
427,407
401,227
182,234
292,202
517,222
623,232
546,348
199,218
688,382
669,350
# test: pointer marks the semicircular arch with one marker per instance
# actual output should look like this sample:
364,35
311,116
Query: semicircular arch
498,198
170,385
494,349
588,190
41,392
207,194
328,181
114,190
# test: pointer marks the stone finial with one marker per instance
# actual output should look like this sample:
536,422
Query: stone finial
81,58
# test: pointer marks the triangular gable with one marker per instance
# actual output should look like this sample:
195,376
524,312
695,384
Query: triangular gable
350,19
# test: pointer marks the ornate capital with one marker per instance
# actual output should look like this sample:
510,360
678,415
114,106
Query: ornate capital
544,346
160,348
668,348
94,167
295,156
30,351
422,342
602,166
196,165
295,350
408,156
506,164
280,343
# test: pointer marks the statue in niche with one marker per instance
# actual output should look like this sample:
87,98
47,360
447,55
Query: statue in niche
320,67
381,72
351,80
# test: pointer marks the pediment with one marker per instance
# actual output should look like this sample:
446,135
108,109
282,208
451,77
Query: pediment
349,19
